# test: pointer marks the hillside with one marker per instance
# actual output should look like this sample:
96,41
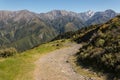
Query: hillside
101,47
24,29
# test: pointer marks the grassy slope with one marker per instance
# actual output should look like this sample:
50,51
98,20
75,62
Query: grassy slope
20,67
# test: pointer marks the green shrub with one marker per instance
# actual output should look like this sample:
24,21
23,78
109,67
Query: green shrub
7,52
100,42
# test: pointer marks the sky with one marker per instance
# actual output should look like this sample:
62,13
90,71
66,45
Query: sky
40,6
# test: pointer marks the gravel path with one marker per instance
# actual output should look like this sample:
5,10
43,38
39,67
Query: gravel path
54,66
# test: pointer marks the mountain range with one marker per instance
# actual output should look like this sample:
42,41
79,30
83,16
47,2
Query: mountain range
25,29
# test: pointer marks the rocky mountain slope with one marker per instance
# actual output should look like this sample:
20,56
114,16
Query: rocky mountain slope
24,29
101,17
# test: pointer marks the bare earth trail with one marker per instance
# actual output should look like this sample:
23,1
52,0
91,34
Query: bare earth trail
55,66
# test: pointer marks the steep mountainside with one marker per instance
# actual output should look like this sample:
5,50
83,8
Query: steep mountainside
101,17
86,15
61,13
24,29
66,23
61,19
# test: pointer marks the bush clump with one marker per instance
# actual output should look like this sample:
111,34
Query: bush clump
100,42
7,52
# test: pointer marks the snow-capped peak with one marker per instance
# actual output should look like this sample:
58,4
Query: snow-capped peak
90,13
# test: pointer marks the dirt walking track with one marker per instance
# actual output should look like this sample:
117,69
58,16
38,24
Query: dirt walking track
55,66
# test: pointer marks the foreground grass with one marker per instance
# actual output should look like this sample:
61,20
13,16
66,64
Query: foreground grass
21,66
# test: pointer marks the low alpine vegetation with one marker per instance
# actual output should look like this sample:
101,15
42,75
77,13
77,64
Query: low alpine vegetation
7,52
101,51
